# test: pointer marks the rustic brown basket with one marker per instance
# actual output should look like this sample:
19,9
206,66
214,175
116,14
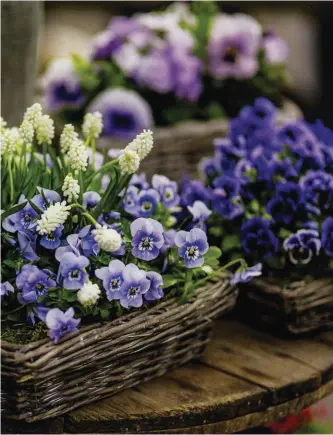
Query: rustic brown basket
179,148
42,380
287,306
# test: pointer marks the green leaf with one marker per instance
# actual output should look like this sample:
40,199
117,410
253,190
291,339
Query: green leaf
10,263
169,281
213,252
230,242
104,314
34,206
13,210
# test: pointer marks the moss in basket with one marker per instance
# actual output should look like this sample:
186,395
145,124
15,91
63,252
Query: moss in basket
84,238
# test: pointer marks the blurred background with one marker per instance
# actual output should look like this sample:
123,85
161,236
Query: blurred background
60,28
67,26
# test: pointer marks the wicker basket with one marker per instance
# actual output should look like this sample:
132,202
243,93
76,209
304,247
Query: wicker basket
292,307
179,148
42,380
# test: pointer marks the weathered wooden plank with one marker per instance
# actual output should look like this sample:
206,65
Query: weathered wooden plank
52,426
266,360
259,418
192,395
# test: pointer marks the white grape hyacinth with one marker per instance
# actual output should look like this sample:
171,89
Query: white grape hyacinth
11,142
71,188
88,294
67,138
142,144
27,131
77,156
44,130
107,238
129,161
53,217
3,124
92,125
33,114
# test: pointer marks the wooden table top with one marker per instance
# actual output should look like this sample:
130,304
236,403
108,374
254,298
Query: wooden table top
245,378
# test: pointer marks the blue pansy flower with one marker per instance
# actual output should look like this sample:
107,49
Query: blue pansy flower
90,199
194,190
155,291
225,196
288,203
135,285
200,213
258,239
37,313
27,245
147,201
130,201
318,186
207,167
261,114
52,240
192,246
167,189
147,238
302,246
72,268
21,220
33,283
51,197
242,276
5,288
140,181
327,236
112,277
61,323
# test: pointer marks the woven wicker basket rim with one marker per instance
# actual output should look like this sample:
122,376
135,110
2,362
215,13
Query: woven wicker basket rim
97,329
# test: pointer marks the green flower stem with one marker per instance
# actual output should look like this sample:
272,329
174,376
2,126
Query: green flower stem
217,272
78,206
92,220
188,282
11,182
93,148
105,167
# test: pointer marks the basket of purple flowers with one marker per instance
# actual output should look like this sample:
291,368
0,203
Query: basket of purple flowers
186,70
270,187
107,280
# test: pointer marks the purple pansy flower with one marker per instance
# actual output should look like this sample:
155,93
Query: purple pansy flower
147,238
246,275
61,323
140,181
51,196
130,201
187,75
318,186
200,213
135,285
21,220
155,291
302,246
192,247
207,167
52,240
27,245
275,48
194,190
327,236
155,71
38,312
261,114
112,277
61,86
147,201
5,288
167,189
90,199
233,46
33,283
125,113
288,203
225,196
72,269
258,239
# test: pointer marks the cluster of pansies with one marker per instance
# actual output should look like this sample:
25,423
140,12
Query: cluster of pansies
270,188
83,237
186,62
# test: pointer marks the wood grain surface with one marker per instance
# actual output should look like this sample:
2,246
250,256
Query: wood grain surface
245,378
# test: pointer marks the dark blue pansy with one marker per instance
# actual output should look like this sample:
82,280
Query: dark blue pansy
258,239
302,246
